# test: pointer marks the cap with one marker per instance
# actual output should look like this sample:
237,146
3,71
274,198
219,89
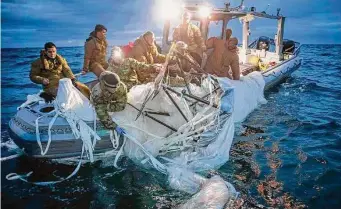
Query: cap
100,27
233,41
148,33
109,79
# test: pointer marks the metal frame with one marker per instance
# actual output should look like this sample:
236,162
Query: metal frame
225,15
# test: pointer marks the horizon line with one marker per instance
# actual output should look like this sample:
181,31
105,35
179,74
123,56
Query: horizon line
36,47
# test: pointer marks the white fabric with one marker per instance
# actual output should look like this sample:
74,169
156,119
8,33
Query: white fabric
31,99
76,109
248,94
214,194
70,98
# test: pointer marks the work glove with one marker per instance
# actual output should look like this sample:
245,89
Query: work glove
74,82
47,97
120,130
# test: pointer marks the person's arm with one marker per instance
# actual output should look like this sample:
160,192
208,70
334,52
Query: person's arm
67,70
140,67
210,43
143,71
158,58
89,47
235,67
35,73
104,117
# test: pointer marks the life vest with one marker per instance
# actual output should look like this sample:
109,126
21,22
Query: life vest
126,49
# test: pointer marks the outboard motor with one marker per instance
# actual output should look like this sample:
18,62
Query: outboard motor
263,43
288,46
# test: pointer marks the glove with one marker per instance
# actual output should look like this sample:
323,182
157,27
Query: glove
74,82
120,130
47,97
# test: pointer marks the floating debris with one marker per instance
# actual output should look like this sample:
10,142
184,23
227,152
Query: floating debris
249,130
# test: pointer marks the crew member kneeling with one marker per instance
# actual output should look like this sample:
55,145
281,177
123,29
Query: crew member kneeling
109,95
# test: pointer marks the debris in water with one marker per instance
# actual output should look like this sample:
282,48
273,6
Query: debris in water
251,130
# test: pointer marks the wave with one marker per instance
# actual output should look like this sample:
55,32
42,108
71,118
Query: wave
24,63
326,54
317,125
19,85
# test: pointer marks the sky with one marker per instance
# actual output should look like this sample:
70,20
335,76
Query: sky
31,23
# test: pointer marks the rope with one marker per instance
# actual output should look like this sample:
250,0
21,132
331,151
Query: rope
43,152
15,176
3,159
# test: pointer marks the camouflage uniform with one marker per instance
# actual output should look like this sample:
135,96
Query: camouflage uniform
133,72
143,52
95,51
105,102
53,70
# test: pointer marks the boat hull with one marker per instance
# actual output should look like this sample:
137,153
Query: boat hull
22,131
279,73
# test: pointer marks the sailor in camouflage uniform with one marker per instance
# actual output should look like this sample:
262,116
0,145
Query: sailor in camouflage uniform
130,71
109,95
133,72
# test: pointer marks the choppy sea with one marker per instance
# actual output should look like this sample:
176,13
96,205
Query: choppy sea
286,154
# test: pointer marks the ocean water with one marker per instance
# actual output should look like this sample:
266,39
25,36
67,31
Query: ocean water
286,154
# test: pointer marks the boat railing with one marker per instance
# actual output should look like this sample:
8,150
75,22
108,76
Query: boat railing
297,49
295,52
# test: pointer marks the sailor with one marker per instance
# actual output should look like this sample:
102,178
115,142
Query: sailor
145,50
214,60
230,60
191,35
109,95
49,69
95,51
133,72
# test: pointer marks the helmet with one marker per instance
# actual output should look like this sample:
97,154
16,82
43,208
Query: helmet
109,81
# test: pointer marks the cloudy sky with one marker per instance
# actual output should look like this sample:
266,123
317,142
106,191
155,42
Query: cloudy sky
31,23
